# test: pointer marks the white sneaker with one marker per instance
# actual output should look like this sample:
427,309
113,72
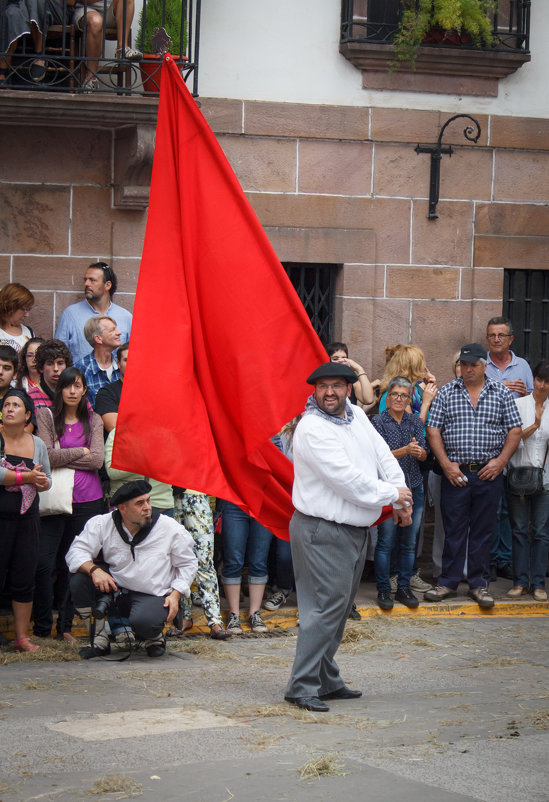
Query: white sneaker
129,54
91,85
417,583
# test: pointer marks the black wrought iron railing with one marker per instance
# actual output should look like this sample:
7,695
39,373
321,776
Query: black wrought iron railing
80,46
376,22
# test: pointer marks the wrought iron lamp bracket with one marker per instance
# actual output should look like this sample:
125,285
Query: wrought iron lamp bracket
470,132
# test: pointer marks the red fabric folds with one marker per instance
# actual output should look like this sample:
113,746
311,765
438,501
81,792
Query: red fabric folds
220,344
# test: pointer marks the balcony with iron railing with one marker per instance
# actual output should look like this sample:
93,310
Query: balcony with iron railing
369,28
87,47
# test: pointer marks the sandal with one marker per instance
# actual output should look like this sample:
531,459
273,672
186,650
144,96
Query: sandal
175,632
37,71
25,645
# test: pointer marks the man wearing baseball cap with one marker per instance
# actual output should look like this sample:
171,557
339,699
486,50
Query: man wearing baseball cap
474,427
148,556
344,475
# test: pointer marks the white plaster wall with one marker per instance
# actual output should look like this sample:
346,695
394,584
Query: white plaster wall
287,50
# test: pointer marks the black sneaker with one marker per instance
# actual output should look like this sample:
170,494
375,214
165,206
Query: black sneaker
406,597
385,600
354,615
233,624
155,647
256,622
276,600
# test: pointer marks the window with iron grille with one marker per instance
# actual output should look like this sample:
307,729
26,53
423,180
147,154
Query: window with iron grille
526,304
314,283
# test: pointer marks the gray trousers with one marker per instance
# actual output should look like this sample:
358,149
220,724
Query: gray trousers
328,562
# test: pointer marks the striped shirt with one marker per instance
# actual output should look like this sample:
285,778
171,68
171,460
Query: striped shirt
469,434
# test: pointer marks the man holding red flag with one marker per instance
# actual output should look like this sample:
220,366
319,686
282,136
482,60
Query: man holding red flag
234,323
344,475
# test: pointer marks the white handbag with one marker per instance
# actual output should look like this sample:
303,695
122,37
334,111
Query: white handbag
58,499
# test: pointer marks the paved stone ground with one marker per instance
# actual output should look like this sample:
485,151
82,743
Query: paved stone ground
453,710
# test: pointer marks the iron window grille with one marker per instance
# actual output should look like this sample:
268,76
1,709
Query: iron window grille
315,283
526,304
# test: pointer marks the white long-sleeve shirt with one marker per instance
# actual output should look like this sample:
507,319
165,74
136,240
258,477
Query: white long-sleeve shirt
531,452
343,473
164,561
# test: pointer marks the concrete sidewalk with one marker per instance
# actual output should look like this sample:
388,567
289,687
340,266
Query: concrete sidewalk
286,616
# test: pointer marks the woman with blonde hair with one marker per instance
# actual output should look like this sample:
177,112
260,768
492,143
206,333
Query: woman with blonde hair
16,303
409,361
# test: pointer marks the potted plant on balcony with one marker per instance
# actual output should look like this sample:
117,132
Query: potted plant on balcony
449,22
155,16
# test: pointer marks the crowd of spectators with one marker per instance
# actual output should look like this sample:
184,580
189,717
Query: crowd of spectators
59,401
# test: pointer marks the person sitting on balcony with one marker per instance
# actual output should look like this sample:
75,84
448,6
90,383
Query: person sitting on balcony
23,18
88,17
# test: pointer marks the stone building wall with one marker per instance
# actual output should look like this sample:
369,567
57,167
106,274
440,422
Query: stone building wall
329,184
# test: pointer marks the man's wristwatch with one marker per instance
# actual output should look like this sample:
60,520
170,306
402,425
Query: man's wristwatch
93,568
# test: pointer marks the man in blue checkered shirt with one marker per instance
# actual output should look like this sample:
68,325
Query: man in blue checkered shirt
474,427
100,367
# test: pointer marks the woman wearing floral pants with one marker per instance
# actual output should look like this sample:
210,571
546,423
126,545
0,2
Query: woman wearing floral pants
193,510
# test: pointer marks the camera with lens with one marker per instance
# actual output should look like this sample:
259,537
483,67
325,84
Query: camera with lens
107,603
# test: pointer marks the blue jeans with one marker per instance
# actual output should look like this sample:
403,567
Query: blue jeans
244,540
387,534
529,555
501,543
284,565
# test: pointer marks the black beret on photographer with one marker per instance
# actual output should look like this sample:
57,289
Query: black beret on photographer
130,490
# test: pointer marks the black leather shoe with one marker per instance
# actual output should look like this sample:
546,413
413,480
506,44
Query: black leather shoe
313,703
505,570
354,615
342,693
385,600
406,597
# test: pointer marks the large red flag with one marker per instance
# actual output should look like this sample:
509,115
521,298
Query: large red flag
221,344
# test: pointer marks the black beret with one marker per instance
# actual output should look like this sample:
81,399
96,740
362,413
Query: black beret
130,490
333,370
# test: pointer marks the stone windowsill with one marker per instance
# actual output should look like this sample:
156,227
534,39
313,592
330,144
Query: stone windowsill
443,70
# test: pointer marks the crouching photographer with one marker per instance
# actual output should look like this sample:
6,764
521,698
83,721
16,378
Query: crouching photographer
149,564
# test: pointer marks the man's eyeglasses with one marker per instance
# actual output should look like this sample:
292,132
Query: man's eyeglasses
498,336
400,396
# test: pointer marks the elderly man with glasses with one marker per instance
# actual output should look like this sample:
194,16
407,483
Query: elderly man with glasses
514,372
502,364
100,284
